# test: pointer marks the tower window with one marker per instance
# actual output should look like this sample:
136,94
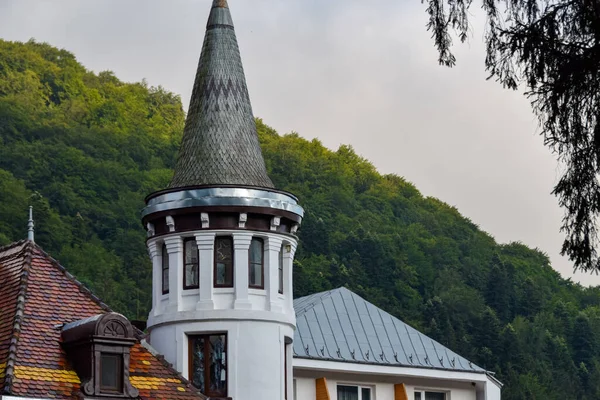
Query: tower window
256,265
208,364
190,277
280,270
224,261
165,270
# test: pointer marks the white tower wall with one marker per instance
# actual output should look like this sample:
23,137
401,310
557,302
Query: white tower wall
258,322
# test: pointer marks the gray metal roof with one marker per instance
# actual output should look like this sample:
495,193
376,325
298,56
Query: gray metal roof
220,144
339,325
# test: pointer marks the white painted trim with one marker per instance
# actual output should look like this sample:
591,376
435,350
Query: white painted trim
20,398
334,366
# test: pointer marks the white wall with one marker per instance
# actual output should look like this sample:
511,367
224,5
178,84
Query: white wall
256,321
255,358
383,386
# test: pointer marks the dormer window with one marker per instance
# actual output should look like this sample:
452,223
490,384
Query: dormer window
190,278
111,373
256,265
98,347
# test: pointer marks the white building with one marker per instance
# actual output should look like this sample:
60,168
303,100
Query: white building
346,348
222,242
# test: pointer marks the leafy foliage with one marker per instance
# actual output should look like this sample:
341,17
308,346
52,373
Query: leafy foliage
85,150
553,48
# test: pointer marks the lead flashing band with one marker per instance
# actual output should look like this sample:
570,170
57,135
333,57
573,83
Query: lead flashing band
234,197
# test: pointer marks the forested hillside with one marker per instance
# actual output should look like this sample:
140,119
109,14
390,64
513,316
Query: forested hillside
85,149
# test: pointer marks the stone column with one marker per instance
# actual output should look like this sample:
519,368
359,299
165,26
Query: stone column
175,250
206,248
289,249
271,259
155,252
241,245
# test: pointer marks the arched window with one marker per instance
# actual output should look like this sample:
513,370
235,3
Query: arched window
223,273
256,265
165,269
280,269
190,263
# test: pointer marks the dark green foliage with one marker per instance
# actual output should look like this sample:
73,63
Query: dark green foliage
551,48
85,150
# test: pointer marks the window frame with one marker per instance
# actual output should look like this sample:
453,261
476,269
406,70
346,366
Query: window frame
118,372
423,393
185,264
262,264
165,260
206,360
280,282
215,284
359,389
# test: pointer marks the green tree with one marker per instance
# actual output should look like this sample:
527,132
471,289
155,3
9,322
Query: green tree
552,48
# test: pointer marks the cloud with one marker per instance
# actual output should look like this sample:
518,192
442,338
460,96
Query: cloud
345,71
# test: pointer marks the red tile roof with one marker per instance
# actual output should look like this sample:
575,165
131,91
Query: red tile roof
38,296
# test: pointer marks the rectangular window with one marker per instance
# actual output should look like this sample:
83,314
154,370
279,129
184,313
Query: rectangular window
190,264
280,273
111,372
165,270
425,395
208,364
347,392
255,264
224,261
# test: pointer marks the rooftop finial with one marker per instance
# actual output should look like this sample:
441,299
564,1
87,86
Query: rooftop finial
220,3
30,225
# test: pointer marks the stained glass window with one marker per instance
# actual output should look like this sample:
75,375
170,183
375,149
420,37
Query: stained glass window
165,270
190,264
208,364
255,264
224,261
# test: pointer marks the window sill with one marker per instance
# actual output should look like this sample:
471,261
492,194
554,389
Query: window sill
227,290
257,292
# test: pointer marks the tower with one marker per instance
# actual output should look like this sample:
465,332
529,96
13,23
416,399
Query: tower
222,241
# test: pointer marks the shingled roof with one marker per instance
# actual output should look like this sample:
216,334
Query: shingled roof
339,325
220,143
37,298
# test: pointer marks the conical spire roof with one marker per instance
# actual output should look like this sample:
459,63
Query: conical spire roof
220,143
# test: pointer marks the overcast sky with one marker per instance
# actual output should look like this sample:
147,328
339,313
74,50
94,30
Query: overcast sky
353,72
